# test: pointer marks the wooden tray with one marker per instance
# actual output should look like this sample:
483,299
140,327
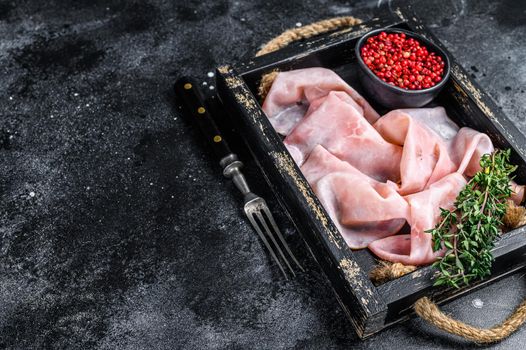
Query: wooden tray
370,308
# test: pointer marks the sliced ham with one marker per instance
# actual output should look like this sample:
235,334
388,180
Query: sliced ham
435,119
425,157
363,209
292,92
374,175
467,148
424,207
337,125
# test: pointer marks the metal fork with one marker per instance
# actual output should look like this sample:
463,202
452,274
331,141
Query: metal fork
259,214
255,207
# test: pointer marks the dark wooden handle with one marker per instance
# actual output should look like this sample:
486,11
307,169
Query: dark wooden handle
187,89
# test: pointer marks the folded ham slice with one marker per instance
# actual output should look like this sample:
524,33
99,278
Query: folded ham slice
425,158
362,208
335,123
433,146
293,91
467,148
424,208
435,119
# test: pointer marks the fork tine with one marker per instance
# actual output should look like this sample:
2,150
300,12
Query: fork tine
265,241
269,233
280,236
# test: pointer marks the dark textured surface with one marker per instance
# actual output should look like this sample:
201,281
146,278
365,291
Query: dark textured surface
117,229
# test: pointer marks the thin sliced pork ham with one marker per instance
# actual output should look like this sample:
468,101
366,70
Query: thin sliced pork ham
518,193
374,175
467,148
424,213
341,188
292,92
433,146
425,158
336,124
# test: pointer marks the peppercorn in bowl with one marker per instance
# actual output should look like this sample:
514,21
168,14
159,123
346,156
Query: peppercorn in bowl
399,68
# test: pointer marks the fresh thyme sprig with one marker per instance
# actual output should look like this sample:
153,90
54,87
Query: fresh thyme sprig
469,231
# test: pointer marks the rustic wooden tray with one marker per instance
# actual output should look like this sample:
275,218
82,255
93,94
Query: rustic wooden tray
370,308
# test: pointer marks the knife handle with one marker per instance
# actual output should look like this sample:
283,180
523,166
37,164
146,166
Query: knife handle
188,90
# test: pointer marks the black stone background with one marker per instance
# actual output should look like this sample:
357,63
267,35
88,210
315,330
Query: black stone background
117,229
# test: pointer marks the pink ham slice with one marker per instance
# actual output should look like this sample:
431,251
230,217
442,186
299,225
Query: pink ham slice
336,124
435,119
416,248
465,146
433,146
363,209
425,157
467,149
293,91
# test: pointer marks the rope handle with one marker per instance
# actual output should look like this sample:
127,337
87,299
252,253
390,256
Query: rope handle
308,31
424,307
429,311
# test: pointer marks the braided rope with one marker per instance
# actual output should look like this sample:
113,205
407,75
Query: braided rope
387,271
266,83
430,312
424,307
307,31
515,215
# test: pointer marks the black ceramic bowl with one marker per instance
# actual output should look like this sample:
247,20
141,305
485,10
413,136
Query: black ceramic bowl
391,96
